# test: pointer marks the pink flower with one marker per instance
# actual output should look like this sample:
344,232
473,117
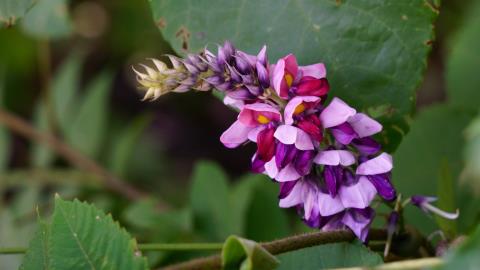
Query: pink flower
251,121
287,77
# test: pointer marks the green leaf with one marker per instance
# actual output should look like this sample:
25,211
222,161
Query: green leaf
375,51
463,61
254,204
446,199
209,201
48,19
12,10
327,256
264,220
82,237
471,173
62,95
87,130
465,256
37,257
125,144
4,137
239,253
436,136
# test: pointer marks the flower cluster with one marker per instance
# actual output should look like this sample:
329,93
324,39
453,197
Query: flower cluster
322,155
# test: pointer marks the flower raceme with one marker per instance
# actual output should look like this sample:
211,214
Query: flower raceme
323,156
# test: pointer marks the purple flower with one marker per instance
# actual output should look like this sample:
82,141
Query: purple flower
424,203
346,123
377,171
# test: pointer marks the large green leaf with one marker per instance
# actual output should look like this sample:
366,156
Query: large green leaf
210,202
463,62
375,50
82,237
244,254
48,19
12,10
86,131
436,137
329,256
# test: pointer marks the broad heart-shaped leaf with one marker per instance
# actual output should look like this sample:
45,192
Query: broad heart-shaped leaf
327,256
436,137
82,237
48,19
375,51
12,10
86,131
244,254
462,79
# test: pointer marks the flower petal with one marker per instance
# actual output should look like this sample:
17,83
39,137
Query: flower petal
336,113
289,173
303,140
286,134
378,165
316,70
235,135
329,206
364,125
271,168
335,157
293,104
295,197
359,195
359,220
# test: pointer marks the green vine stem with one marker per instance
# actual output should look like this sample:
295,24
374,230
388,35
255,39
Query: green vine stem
283,245
180,246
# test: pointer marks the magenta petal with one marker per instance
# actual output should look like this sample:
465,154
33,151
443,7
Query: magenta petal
377,165
291,65
249,113
367,145
235,135
335,157
316,70
336,113
331,179
359,195
329,206
292,105
364,126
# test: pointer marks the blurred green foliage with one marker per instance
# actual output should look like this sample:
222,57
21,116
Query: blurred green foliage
65,67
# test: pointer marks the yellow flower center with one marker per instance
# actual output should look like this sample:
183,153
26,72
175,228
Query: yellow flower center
262,119
299,109
289,79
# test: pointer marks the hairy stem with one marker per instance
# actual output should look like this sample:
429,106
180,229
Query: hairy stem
77,159
281,246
